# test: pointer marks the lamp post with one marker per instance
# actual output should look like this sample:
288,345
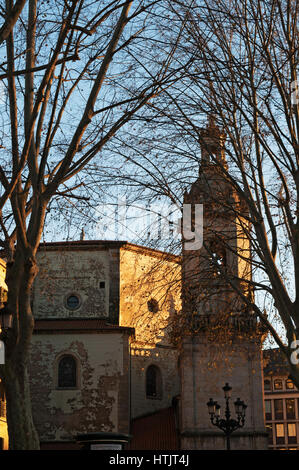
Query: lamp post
227,424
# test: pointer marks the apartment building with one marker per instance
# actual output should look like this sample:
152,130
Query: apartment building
281,399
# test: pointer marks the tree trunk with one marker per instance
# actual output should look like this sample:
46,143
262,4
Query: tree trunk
19,278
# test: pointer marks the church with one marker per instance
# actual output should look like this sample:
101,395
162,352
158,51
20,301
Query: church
136,341
101,351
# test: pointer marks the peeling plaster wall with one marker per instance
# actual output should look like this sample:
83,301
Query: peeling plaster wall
133,276
145,275
100,402
66,272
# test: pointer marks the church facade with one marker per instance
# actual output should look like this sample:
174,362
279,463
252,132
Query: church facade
101,351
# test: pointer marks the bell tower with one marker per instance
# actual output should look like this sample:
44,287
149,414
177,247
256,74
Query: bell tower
221,341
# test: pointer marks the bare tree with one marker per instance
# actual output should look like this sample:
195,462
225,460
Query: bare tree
11,19
71,80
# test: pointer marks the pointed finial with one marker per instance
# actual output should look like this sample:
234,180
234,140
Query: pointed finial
82,236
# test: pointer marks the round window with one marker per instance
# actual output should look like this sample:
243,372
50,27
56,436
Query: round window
73,302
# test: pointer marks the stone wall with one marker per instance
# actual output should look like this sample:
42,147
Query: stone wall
100,400
65,272
150,302
205,369
166,360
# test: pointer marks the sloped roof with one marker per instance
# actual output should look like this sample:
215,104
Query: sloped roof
79,324
157,431
106,244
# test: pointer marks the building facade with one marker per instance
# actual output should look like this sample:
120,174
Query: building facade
101,352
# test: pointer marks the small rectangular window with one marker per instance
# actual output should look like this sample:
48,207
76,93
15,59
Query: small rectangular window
292,434
278,409
278,384
289,384
268,413
290,408
270,433
102,285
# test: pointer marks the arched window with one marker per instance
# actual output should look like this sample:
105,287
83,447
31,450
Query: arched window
153,382
67,372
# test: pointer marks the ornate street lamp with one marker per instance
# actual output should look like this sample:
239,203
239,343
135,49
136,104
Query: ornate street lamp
227,424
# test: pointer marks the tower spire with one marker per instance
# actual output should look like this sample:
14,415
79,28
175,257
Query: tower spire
224,339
